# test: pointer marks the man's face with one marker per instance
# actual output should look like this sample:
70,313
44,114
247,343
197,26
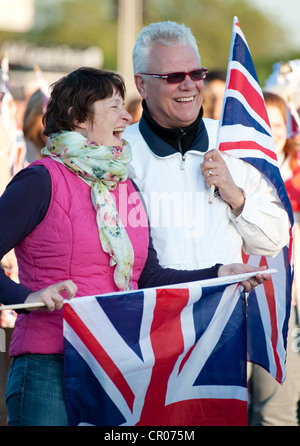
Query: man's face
172,105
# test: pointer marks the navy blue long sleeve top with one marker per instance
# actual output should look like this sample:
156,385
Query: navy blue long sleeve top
23,206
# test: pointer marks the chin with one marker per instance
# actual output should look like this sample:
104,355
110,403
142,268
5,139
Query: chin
188,118
118,143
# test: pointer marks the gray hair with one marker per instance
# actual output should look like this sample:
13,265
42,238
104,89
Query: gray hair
166,33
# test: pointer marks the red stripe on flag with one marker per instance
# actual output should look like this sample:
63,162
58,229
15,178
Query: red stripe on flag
270,296
239,82
166,325
201,412
246,145
186,358
99,354
245,257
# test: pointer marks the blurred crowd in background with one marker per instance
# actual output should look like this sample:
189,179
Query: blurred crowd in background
21,128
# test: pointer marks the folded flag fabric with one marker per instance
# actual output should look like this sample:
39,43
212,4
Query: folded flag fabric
245,132
244,129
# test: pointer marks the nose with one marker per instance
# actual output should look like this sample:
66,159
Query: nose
187,83
127,116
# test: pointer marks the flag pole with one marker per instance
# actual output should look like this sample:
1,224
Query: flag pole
213,187
211,193
26,305
216,281
22,306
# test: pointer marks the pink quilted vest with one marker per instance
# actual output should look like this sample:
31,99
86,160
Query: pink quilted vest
66,245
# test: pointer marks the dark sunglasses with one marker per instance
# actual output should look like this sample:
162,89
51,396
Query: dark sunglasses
176,78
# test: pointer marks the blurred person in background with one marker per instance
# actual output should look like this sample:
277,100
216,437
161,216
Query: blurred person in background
134,107
272,404
5,176
209,101
216,80
285,81
33,127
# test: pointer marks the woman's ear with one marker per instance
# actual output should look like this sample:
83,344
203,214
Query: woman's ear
80,127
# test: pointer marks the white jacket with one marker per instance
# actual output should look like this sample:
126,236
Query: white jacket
187,231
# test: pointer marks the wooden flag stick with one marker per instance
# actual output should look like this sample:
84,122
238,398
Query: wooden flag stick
211,194
200,283
22,306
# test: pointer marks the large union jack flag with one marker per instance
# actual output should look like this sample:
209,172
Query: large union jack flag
244,132
157,357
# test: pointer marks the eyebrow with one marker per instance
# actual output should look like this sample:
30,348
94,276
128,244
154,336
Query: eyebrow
116,101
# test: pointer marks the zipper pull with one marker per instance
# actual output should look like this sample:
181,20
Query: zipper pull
183,162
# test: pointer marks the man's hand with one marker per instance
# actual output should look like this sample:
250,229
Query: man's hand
215,172
241,268
51,296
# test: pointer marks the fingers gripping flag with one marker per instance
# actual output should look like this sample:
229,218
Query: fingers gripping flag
244,132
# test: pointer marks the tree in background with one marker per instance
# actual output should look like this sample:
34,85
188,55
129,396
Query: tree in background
83,23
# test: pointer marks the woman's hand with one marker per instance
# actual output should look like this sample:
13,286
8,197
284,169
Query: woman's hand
241,268
51,296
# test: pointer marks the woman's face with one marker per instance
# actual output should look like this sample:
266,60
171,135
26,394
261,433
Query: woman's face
278,127
109,121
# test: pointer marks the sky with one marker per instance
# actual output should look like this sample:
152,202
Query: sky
286,12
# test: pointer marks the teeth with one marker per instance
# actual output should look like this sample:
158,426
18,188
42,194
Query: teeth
119,129
185,99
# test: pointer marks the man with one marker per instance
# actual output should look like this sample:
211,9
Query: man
169,145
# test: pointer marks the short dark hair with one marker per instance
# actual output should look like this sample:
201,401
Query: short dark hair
73,95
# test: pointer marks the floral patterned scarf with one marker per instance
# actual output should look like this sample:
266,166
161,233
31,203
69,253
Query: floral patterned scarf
101,167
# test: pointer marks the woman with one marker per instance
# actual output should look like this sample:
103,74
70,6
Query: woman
271,403
63,214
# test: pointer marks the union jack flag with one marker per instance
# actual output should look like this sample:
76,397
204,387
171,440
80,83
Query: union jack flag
171,356
245,132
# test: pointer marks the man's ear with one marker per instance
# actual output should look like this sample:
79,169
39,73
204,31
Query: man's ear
140,85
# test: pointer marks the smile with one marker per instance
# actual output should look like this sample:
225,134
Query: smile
190,99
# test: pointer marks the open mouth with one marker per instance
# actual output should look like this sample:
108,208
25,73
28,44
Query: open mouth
118,133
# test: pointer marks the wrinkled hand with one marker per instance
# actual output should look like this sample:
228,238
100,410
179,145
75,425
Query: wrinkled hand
51,296
240,268
215,172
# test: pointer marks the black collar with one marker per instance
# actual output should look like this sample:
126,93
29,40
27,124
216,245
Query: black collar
182,139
